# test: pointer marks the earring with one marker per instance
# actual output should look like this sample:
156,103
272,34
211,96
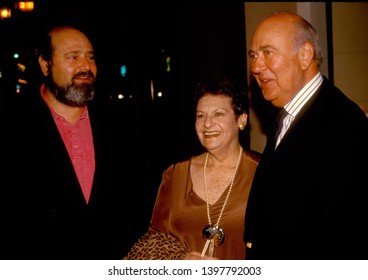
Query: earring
241,127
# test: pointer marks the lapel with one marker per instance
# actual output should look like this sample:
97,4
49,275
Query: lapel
306,118
57,153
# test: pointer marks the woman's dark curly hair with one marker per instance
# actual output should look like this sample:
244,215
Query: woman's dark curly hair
222,86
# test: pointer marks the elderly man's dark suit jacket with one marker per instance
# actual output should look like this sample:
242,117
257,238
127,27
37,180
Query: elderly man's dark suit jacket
309,197
43,211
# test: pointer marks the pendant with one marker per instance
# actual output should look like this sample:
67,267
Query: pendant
214,233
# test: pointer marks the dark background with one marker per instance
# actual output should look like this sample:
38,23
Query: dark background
202,39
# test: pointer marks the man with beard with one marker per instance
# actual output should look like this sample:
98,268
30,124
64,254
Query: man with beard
67,191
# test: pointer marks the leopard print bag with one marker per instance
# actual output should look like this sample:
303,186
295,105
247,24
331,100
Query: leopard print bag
156,246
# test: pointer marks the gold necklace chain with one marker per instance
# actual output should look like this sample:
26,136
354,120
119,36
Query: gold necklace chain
228,193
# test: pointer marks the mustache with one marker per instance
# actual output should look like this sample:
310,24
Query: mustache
85,74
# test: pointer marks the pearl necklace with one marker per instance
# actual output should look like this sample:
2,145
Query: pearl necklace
213,233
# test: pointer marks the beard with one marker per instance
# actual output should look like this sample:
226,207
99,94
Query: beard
76,95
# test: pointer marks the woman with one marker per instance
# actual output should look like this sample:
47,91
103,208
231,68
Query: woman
200,206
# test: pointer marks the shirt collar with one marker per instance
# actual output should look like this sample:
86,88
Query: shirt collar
299,100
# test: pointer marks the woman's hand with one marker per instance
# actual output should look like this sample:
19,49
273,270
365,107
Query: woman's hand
197,256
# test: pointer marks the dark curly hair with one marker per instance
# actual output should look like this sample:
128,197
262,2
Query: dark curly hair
222,86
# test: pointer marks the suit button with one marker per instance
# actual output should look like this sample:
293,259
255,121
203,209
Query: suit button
249,245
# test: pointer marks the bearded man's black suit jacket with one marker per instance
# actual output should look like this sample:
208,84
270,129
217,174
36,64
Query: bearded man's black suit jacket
309,198
43,211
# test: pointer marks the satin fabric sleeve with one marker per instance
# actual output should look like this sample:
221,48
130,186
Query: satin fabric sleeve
162,208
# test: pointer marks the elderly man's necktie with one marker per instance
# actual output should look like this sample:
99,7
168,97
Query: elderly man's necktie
279,120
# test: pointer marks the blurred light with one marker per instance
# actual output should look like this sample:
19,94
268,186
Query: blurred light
159,94
27,6
17,88
5,13
16,55
152,90
21,67
21,81
168,67
123,70
120,96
